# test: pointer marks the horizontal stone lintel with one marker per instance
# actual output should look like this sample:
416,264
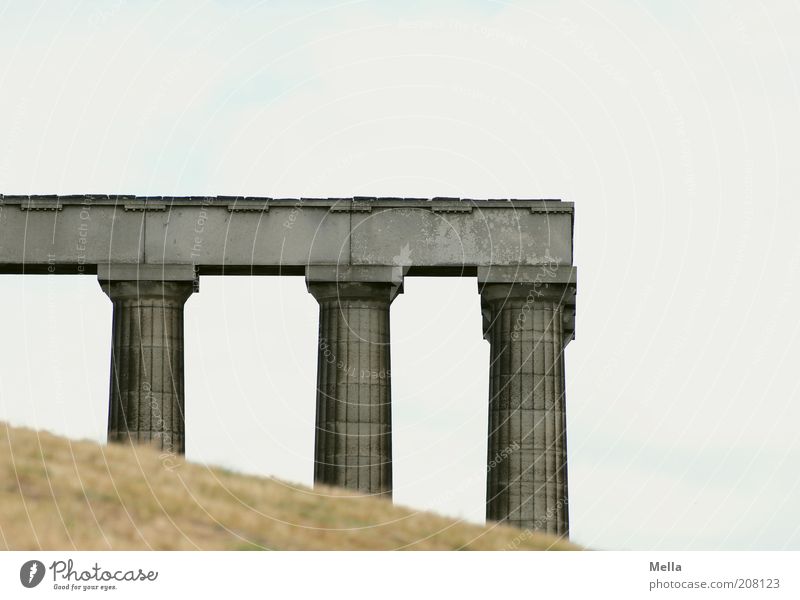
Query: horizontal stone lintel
249,235
355,203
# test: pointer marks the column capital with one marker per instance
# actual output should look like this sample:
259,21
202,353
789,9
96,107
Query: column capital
504,286
561,293
145,272
173,283
328,282
545,273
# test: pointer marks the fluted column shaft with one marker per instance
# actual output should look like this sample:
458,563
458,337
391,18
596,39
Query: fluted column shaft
147,386
353,445
527,454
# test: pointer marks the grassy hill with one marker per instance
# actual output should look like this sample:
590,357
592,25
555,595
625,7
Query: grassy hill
58,494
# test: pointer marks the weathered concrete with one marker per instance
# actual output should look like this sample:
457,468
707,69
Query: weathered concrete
527,453
353,443
73,234
146,399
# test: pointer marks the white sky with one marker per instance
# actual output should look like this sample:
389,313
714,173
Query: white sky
672,126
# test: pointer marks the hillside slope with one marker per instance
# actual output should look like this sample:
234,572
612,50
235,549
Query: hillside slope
56,493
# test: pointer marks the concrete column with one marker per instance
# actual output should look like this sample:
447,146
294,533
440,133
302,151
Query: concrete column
527,452
353,443
146,402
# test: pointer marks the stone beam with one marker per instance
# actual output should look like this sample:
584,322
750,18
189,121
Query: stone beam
243,235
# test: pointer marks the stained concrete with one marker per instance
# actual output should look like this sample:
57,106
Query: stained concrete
73,234
526,483
353,442
146,397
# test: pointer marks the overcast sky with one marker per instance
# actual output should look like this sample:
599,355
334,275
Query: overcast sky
672,126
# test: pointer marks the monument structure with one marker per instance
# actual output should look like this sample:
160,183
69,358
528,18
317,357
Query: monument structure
150,252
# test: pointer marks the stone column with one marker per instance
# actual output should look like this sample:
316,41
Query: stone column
524,323
353,443
146,402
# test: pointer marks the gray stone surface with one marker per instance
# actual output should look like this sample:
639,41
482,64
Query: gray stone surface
74,234
483,236
146,402
353,443
527,453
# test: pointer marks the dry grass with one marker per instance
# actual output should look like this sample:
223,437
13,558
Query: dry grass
61,494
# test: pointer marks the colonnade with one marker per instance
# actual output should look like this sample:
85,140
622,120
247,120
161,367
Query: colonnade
526,321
